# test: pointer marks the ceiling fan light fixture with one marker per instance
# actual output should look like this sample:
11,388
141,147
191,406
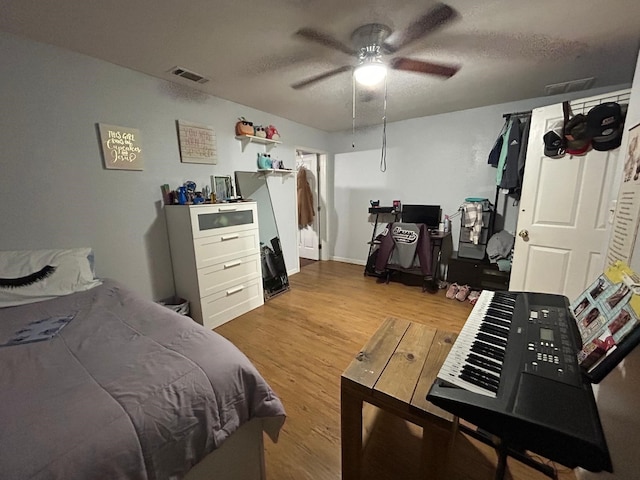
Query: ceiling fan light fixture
370,72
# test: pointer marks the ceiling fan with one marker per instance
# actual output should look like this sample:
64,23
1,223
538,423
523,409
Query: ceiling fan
370,45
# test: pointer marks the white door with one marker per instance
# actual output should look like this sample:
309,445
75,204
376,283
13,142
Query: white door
563,224
308,237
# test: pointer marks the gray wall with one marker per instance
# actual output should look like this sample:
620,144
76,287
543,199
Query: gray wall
441,159
55,191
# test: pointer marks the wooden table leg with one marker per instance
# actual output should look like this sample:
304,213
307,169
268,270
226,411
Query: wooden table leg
436,446
351,434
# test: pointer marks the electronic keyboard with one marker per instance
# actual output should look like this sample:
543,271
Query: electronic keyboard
513,372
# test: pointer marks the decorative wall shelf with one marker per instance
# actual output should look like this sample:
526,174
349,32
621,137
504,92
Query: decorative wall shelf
267,142
267,171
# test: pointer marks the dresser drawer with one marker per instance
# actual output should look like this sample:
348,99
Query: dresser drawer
223,248
217,219
222,306
225,275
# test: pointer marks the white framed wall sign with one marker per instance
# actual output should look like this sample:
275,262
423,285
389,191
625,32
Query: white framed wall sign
121,147
197,143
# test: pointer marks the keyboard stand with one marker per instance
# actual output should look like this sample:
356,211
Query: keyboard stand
503,450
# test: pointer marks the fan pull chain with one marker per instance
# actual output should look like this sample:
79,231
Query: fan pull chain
353,112
383,158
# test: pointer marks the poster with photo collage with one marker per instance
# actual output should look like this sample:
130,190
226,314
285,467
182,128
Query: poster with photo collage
606,313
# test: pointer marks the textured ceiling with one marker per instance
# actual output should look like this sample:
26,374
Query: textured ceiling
507,49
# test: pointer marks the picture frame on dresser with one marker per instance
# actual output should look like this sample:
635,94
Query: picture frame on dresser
222,186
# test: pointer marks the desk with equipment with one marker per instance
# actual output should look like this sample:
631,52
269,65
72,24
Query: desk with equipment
403,245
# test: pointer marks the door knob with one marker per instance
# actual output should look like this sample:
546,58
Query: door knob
524,234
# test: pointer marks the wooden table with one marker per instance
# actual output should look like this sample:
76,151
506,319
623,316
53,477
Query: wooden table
394,372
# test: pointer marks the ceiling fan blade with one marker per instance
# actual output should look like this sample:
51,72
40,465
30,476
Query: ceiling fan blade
435,18
323,76
418,66
324,39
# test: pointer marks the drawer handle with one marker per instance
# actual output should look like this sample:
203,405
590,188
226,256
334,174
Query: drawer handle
229,237
235,290
227,209
233,264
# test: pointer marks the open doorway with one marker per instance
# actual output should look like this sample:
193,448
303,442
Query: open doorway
311,168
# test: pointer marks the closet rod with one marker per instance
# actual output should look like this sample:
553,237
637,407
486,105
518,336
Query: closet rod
516,114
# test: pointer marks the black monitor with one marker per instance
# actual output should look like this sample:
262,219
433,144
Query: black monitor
428,214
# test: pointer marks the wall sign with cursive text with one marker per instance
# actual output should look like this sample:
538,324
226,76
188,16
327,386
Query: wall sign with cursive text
121,147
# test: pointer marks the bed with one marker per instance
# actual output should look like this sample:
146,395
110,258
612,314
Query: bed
101,383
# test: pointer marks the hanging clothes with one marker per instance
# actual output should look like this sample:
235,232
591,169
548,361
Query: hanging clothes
503,152
513,154
306,211
509,154
494,155
522,157
516,156
473,219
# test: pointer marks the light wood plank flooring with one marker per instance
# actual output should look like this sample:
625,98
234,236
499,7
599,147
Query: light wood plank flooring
302,340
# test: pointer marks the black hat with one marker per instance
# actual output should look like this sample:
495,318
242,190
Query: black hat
577,135
606,122
554,144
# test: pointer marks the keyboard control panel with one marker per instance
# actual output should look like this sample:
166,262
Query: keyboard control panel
549,351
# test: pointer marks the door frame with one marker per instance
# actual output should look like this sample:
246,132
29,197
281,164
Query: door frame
323,197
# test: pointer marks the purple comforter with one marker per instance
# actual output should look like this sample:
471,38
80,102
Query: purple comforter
127,389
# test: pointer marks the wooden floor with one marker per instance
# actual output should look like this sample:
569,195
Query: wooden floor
302,340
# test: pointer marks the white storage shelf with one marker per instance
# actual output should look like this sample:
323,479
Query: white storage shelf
215,251
267,171
267,142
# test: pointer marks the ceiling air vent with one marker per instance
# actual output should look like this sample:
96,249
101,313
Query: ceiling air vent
184,73
572,86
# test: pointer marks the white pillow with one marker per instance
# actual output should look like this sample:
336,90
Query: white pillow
28,276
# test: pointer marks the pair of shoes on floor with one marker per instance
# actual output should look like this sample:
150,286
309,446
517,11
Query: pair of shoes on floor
463,293
451,292
459,292
473,296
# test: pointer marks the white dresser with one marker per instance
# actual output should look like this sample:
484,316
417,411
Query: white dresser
215,251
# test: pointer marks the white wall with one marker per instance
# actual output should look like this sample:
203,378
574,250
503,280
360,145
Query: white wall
440,159
618,394
55,192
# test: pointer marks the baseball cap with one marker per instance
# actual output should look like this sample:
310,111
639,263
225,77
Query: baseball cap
606,122
577,135
554,144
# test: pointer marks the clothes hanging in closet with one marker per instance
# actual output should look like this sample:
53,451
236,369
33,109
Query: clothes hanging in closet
306,211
